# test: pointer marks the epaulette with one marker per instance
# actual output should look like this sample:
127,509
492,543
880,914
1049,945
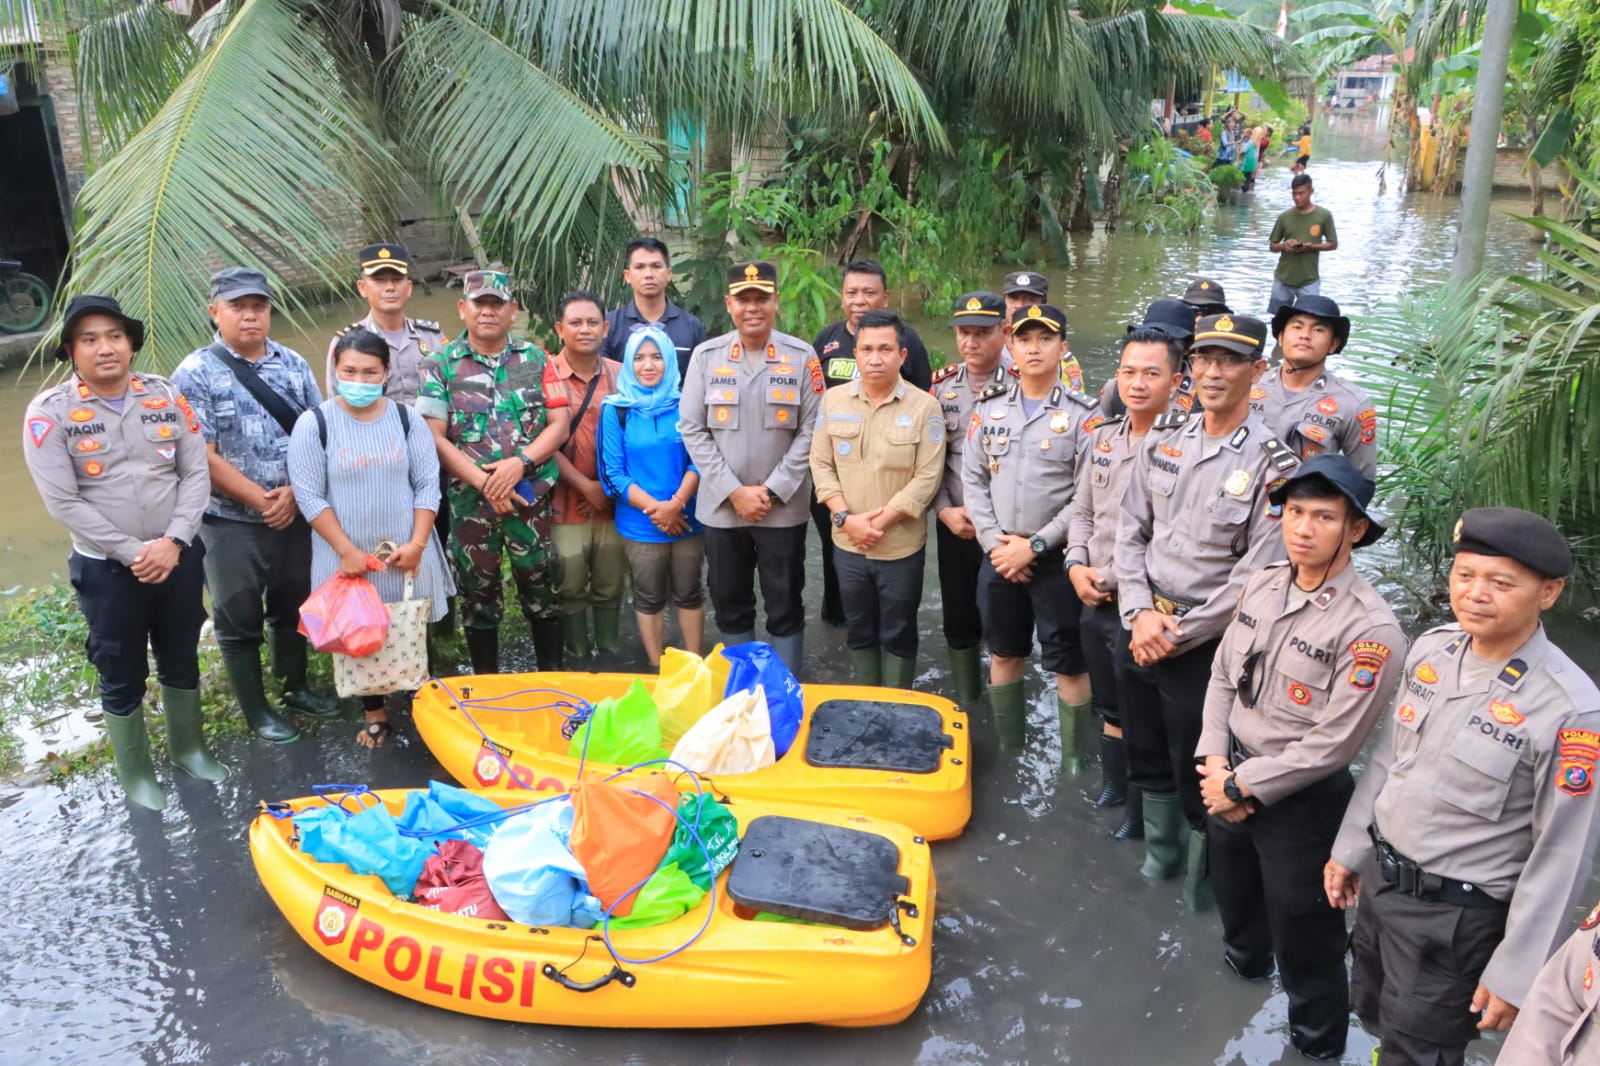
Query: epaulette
427,324
1276,565
991,391
948,372
1102,421
1172,420
1282,457
1082,399
1014,372
351,326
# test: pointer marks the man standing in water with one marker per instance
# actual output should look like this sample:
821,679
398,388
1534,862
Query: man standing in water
649,274
385,283
1312,409
1196,523
1471,835
1300,236
1304,670
119,461
749,407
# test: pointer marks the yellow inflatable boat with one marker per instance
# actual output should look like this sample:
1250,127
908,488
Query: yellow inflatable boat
900,755
739,971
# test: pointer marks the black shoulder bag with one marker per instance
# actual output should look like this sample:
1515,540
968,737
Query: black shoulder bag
281,410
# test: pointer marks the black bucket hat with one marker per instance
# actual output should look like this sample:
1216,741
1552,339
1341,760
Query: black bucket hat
1322,307
1172,317
89,304
1341,474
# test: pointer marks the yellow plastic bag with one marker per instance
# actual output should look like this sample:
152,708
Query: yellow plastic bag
684,693
721,667
735,737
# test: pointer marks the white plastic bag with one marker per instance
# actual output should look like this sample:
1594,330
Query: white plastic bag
734,737
401,665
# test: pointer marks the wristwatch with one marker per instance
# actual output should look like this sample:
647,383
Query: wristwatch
1230,788
1036,544
179,543
838,519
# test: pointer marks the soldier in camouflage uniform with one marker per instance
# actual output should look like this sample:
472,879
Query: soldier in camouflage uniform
498,419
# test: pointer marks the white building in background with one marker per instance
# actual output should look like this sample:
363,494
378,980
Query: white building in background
1367,83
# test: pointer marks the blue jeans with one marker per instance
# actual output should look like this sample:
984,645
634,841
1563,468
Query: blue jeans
1283,295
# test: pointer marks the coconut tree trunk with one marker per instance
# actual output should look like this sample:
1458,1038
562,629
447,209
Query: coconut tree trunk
1536,188
1487,108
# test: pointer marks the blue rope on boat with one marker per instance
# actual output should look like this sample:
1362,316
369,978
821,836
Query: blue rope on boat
581,709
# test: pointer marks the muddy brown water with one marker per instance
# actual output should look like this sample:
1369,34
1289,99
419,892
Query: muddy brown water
135,937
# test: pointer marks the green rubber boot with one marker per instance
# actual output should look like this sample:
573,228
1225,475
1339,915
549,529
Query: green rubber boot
966,674
244,674
1197,881
866,666
898,672
130,746
1079,733
1010,706
575,634
608,629
289,654
186,742
1165,834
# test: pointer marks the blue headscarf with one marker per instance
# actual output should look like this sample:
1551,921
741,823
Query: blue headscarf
632,394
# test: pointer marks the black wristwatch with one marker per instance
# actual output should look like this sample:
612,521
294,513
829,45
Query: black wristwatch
1036,544
179,543
838,519
1230,788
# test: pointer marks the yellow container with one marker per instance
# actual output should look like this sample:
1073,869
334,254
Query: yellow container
510,748
740,972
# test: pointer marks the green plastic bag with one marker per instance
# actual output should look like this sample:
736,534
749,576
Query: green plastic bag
667,894
623,731
719,832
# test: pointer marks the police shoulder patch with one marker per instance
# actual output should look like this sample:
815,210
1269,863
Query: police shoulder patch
1082,399
1282,457
1172,420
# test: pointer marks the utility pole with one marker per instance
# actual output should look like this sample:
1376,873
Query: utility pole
1488,106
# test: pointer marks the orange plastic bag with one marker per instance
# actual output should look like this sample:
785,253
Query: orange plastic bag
620,836
345,615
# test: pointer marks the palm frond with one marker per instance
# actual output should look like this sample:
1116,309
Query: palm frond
129,59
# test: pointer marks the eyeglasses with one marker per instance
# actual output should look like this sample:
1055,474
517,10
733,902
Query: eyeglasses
1226,360
1246,685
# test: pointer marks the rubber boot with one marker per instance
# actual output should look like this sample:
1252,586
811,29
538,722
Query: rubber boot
483,647
244,673
130,746
1196,880
608,629
186,742
731,639
965,675
1077,724
547,644
1165,834
1132,827
866,666
575,635
289,652
1113,772
899,672
792,650
1010,706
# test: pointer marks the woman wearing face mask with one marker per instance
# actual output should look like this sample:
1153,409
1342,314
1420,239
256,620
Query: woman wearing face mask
374,480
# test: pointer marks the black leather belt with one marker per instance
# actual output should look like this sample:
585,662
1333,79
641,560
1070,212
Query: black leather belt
1411,879
1173,605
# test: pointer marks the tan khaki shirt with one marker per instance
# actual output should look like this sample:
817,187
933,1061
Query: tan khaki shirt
1328,665
747,419
1492,784
1019,472
1559,1024
1196,527
1103,472
957,391
422,339
889,455
1330,415
118,481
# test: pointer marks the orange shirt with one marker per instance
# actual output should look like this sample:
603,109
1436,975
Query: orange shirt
582,448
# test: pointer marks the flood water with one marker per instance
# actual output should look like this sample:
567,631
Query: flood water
144,938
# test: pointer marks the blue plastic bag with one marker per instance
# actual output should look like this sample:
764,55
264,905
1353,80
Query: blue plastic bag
442,807
368,842
532,873
756,665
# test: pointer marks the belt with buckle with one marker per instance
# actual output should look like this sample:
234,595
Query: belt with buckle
1411,879
1170,604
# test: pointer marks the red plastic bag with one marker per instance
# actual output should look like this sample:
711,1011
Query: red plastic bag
345,615
452,881
620,836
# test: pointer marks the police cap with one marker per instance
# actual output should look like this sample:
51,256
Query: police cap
1203,292
1242,334
88,304
1341,475
981,308
376,257
1051,318
756,274
1026,281
1305,303
1516,534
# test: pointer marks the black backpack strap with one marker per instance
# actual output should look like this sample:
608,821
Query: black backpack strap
282,411
322,422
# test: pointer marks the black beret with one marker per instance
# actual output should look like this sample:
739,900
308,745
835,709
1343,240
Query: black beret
1516,534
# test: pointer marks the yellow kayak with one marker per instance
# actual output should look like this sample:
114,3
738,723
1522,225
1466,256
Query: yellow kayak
900,755
738,972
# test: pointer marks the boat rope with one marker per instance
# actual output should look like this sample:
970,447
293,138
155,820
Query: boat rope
581,710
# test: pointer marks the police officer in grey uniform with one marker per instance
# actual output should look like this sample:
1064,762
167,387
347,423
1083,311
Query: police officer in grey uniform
979,324
749,406
1559,1024
119,461
1195,524
1310,408
1020,469
1299,681
385,283
1473,830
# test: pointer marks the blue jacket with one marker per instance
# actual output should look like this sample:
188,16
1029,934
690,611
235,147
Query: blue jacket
648,451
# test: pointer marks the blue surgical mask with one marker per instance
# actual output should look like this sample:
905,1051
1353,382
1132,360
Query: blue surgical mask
360,393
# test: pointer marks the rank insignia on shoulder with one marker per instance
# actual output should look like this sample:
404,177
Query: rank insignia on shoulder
1092,424
1282,457
1172,420
1082,399
1512,672
349,328
991,391
1240,435
428,324
947,372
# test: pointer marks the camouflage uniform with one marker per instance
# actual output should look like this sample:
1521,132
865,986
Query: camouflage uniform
490,412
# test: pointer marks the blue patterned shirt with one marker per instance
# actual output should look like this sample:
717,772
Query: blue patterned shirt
246,435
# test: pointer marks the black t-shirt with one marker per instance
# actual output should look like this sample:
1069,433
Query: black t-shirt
836,347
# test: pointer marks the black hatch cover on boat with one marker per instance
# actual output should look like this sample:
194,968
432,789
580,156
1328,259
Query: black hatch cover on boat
877,735
817,872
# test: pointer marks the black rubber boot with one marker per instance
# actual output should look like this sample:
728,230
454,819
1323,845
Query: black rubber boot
1166,835
1113,772
289,654
483,646
186,742
547,644
244,673
130,747
1132,827
866,666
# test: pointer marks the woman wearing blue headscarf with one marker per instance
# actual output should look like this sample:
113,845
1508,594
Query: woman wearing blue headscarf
645,468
